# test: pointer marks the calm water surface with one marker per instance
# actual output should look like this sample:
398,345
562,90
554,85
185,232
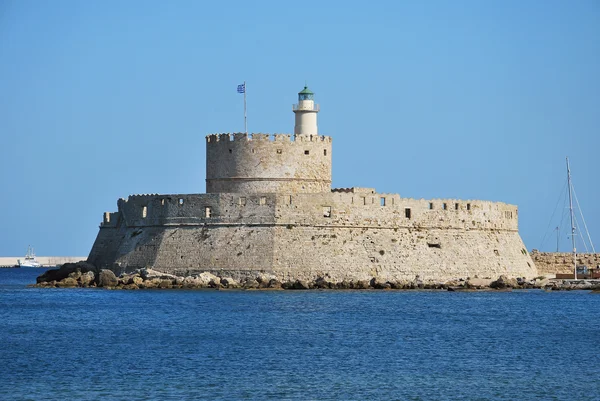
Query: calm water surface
88,344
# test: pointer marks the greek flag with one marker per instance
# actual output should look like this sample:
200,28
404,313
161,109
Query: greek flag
241,88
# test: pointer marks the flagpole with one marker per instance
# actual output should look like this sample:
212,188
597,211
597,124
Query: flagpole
245,115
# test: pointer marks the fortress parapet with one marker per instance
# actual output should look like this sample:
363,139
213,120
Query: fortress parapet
363,208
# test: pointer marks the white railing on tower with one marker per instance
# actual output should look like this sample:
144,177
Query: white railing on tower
297,107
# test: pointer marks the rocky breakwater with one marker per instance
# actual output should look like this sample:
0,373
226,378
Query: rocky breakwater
83,274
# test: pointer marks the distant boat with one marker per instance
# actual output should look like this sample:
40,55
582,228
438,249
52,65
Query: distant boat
581,270
29,260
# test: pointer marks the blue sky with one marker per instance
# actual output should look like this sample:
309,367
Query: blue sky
435,99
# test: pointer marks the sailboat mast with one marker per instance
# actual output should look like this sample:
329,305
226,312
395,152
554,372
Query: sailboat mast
572,220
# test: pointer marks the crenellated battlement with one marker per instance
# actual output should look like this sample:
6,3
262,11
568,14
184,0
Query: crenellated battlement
363,209
261,163
242,137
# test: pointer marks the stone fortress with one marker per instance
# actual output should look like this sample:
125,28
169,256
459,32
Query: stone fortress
270,209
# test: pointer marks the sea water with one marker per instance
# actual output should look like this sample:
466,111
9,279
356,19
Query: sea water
91,344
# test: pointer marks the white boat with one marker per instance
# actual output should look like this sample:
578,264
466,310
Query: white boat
29,260
581,270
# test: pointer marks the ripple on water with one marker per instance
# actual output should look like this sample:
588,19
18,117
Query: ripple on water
89,344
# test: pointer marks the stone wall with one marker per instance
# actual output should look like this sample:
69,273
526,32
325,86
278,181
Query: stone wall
259,163
345,235
550,263
398,254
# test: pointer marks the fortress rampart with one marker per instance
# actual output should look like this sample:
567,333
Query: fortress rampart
550,263
269,208
348,235
261,163
332,209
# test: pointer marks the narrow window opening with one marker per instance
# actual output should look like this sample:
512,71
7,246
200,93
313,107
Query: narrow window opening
290,200
306,152
364,200
242,201
407,212
144,211
180,201
252,150
445,206
324,152
326,211
456,206
207,212
263,200
468,206
230,151
382,201
430,205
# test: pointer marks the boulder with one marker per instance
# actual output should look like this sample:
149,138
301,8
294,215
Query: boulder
323,283
541,282
130,287
299,285
147,284
229,282
75,275
362,285
433,285
107,278
64,271
396,285
67,282
192,282
149,274
274,283
452,283
379,284
215,283
264,278
164,284
206,278
87,278
343,285
128,278
504,282
479,282
250,283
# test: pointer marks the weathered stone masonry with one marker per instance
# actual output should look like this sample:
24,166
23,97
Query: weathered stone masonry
550,263
270,208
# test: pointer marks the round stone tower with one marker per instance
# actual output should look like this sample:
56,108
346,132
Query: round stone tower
306,113
261,163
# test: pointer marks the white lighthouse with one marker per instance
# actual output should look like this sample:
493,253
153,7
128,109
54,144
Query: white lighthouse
306,113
